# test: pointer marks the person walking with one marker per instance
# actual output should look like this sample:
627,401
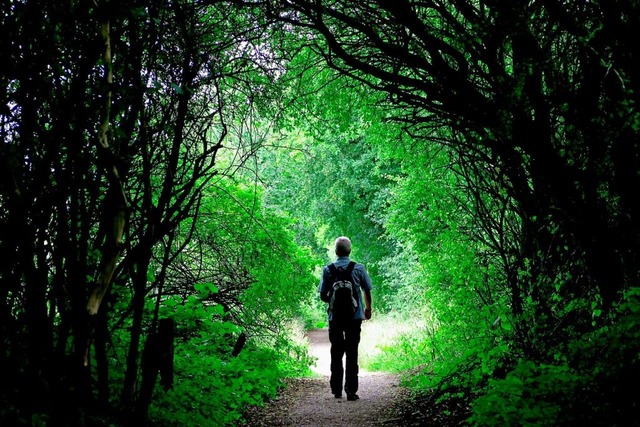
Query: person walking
344,334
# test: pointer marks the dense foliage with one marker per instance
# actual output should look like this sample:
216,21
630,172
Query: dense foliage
512,212
126,131
173,175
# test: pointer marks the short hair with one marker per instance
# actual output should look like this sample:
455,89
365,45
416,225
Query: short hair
343,246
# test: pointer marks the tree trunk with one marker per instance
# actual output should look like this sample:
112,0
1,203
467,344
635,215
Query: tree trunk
139,291
157,358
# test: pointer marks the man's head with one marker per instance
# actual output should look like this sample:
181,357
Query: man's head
343,246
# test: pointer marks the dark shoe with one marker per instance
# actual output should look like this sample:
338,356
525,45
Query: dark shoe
337,395
352,397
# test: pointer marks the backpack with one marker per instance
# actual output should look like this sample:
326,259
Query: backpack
344,300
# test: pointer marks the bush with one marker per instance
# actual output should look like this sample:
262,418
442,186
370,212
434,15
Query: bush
590,385
213,390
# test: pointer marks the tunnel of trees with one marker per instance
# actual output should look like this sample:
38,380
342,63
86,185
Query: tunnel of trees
173,174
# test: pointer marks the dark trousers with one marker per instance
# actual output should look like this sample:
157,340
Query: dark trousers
344,338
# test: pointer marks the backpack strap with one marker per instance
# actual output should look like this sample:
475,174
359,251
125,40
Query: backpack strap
349,271
332,269
350,267
333,272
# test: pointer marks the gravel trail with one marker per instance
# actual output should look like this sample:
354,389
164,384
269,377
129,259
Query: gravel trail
308,402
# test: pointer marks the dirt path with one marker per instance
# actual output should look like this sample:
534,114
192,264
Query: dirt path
308,402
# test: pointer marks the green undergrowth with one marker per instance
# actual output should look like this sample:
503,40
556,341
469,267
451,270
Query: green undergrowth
486,383
211,386
214,388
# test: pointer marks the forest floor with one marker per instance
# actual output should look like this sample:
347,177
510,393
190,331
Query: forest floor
307,402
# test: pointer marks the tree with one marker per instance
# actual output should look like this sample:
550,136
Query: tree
534,99
536,104
111,127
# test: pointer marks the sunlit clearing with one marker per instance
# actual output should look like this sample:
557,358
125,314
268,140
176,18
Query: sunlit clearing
381,335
